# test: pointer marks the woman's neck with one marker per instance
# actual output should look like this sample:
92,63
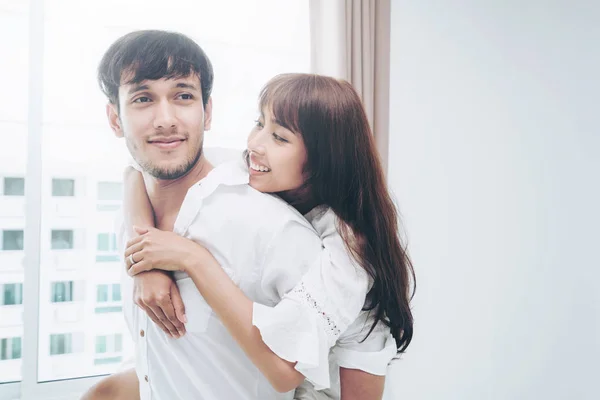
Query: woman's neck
300,199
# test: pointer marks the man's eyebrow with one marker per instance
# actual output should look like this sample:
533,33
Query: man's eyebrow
138,88
184,85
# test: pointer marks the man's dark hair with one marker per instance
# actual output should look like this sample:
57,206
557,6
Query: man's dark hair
153,55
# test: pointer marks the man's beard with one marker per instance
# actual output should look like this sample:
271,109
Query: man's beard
173,173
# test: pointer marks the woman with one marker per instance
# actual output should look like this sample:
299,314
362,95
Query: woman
313,147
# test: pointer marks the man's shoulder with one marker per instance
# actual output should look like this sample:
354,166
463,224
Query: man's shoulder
268,208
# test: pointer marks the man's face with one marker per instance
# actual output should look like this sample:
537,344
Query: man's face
163,122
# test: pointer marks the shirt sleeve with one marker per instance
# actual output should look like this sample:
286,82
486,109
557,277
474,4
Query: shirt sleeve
312,314
372,354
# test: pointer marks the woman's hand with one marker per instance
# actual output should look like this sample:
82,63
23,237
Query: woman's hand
156,249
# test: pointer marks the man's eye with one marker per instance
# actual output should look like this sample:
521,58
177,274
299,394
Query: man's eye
186,96
142,99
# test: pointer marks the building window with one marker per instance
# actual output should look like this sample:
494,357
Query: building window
116,292
109,297
107,248
62,240
100,344
61,344
102,293
14,186
110,191
62,291
12,240
63,187
12,294
10,348
109,343
107,242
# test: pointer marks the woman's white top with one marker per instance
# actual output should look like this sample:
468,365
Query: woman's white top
320,323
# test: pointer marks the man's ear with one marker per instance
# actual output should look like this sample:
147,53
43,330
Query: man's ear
208,114
113,120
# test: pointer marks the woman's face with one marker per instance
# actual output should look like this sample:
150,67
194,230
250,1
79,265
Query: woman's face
276,156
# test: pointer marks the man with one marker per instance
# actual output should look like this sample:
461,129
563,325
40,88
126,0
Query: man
158,85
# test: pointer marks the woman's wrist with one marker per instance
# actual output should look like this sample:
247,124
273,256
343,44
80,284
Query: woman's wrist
196,259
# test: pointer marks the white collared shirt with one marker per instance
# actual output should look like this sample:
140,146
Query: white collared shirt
265,246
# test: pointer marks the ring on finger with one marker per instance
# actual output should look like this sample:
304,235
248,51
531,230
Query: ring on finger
131,260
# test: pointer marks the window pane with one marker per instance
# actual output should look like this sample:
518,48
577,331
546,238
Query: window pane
103,244
63,187
100,344
10,348
61,343
12,240
118,342
62,240
14,186
110,191
116,292
16,348
79,147
102,293
62,291
14,67
12,294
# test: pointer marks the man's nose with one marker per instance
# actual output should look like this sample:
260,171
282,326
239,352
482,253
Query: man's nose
165,116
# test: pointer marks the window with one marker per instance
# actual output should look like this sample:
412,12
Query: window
10,348
107,242
14,186
109,343
100,344
102,293
61,344
107,248
12,294
116,292
62,291
71,182
62,240
12,240
63,187
110,191
109,297
14,140
106,347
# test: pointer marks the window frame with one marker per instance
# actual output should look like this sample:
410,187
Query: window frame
29,387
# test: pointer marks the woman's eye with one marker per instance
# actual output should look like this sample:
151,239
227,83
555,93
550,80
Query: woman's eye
278,138
259,124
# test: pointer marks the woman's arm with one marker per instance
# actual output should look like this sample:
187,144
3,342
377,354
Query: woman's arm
235,311
137,210
166,250
154,291
360,385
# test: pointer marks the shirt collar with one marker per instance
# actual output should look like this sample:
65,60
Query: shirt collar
234,173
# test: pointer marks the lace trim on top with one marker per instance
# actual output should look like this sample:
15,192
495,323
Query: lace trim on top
304,296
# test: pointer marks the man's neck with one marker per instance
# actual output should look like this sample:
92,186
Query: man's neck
166,196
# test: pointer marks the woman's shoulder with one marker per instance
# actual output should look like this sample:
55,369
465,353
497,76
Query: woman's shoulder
324,220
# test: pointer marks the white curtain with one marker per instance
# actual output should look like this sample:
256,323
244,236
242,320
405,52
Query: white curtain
350,39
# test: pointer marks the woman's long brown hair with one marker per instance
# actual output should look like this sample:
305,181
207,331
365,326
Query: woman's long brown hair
344,172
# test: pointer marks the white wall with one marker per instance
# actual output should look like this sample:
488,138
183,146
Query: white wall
495,160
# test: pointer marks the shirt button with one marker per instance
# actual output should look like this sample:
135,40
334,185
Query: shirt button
142,333
146,378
